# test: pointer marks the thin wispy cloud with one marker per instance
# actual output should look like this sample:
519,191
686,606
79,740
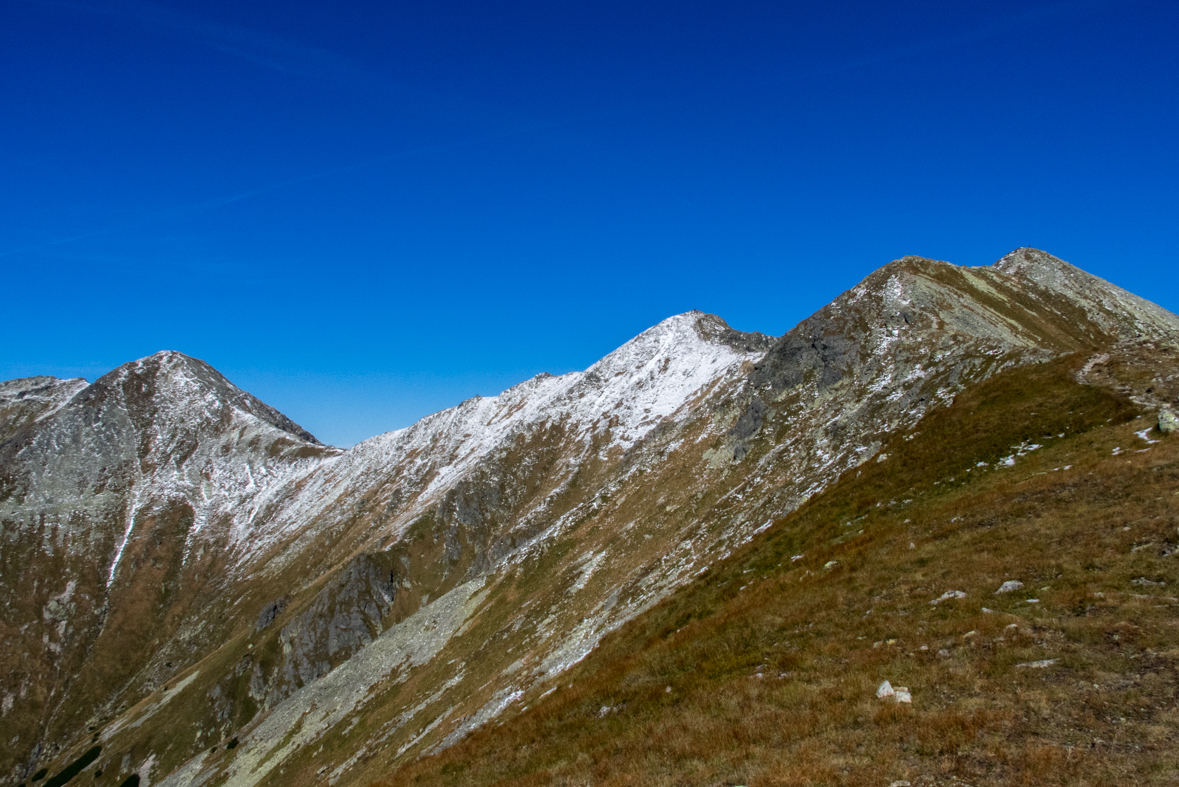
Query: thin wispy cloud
288,56
222,201
267,50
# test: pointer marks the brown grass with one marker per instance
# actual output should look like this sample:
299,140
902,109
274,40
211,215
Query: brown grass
773,663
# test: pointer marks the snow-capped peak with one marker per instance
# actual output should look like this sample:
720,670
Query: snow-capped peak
612,405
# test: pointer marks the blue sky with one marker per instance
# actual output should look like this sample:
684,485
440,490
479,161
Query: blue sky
363,212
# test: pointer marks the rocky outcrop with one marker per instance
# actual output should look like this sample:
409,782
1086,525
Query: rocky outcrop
344,617
270,612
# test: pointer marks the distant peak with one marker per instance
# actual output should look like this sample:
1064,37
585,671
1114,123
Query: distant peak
168,367
713,329
690,317
169,355
161,360
1031,261
184,377
916,259
174,358
39,388
33,383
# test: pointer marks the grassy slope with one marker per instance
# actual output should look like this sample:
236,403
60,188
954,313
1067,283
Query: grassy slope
764,671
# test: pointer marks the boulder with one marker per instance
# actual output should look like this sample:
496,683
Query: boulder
949,594
1009,586
899,694
1168,422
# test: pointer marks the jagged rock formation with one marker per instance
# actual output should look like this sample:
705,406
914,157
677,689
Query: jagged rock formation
183,566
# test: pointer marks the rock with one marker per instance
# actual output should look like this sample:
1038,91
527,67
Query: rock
1168,422
900,783
900,693
949,594
1038,664
746,427
270,612
830,564
1009,586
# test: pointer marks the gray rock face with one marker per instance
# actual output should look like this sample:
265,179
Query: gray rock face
344,617
817,345
347,615
746,427
1168,422
270,612
715,329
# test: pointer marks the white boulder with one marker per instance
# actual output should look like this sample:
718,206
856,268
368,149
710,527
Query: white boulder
949,594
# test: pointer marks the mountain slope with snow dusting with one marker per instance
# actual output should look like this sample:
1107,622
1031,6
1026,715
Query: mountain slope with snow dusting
184,568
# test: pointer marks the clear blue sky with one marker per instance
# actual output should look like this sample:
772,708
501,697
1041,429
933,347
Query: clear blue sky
363,212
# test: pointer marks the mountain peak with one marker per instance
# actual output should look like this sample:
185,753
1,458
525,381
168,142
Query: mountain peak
915,259
1031,261
1113,309
712,329
173,378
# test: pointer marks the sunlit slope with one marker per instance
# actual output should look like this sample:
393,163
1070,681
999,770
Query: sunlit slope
251,608
765,671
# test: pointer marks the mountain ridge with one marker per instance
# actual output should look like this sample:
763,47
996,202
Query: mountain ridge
523,527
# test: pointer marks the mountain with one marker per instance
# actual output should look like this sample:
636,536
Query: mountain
202,592
113,496
993,604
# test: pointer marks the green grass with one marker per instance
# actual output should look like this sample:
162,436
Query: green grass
764,671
